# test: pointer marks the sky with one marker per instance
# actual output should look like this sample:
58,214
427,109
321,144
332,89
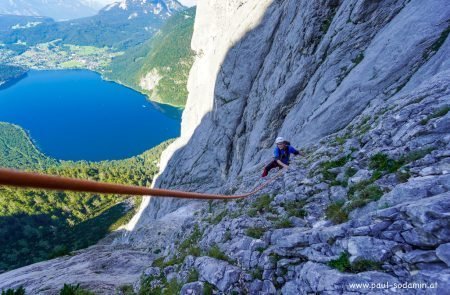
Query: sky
184,2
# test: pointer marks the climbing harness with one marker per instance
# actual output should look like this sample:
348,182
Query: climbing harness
9,177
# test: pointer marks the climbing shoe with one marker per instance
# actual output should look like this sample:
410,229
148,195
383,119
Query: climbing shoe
265,172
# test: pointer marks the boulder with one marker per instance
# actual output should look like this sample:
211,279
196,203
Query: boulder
194,288
217,272
443,252
368,248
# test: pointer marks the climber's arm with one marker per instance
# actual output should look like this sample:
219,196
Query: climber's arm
282,164
293,151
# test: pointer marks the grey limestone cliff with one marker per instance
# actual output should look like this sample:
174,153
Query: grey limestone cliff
301,69
362,88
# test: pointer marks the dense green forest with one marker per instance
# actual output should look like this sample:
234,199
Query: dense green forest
9,73
168,52
37,225
17,150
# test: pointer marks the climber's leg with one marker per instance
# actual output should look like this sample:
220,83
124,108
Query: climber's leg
271,165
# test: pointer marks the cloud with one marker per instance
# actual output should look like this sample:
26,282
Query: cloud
188,2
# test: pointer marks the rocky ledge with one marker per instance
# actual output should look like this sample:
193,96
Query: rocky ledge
364,211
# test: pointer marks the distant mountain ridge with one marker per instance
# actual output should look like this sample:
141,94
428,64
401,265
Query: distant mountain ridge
57,9
142,8
14,22
119,25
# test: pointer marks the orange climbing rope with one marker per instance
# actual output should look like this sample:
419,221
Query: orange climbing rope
16,178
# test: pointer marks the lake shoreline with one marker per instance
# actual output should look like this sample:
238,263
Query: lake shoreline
78,115
140,91
10,82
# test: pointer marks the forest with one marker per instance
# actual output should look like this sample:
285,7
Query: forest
37,225
9,73
169,52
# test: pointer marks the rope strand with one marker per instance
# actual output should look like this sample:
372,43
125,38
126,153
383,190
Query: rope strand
9,177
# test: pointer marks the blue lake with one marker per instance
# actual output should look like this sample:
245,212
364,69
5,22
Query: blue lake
75,115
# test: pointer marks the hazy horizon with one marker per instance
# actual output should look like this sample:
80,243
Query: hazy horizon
184,2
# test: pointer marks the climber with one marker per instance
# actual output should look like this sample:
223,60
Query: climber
281,155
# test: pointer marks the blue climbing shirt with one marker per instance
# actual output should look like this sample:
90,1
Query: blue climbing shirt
283,154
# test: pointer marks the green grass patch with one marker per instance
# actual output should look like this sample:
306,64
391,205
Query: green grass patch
360,195
343,264
326,25
189,246
340,140
127,290
283,223
417,154
274,258
350,171
336,213
18,291
329,176
255,232
193,276
158,262
358,58
382,162
261,205
227,236
215,252
437,114
371,192
295,208
296,212
336,163
172,287
364,128
403,176
257,273
74,290
208,289
218,218
164,288
365,265
260,249
437,44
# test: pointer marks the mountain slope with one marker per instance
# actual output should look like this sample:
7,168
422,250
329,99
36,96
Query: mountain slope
305,70
10,74
361,87
57,9
14,22
160,66
119,25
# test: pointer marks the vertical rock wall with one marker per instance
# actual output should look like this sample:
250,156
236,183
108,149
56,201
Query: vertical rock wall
301,69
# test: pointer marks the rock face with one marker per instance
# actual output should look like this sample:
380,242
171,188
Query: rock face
150,80
362,87
301,69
